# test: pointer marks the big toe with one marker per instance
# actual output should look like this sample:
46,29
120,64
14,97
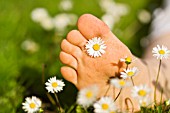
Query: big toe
90,26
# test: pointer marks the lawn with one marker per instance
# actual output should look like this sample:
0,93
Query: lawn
29,53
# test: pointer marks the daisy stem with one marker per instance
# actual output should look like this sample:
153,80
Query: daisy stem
86,110
51,98
107,90
118,95
71,108
132,81
127,106
127,66
161,95
58,103
121,88
157,80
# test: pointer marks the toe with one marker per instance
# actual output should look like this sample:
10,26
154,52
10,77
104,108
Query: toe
76,38
68,59
71,49
69,74
90,26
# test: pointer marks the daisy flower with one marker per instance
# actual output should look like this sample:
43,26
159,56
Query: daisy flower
119,83
129,72
53,85
39,14
161,52
105,105
87,96
141,91
95,47
66,5
127,60
145,101
31,105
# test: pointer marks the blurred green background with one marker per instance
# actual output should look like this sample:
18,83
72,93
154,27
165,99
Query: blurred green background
29,48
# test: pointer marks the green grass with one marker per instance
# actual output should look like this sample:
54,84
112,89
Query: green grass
20,71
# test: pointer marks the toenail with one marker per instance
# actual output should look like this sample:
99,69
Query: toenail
95,47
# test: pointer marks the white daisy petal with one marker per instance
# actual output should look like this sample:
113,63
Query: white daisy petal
39,14
53,85
87,96
95,47
141,91
105,105
130,72
31,105
161,52
119,83
145,102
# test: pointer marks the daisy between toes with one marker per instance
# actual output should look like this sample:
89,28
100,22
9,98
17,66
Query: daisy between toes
95,47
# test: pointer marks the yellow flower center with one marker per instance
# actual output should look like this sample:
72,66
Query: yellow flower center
112,112
54,84
143,104
32,105
142,92
96,47
162,52
105,106
131,73
122,82
128,59
89,94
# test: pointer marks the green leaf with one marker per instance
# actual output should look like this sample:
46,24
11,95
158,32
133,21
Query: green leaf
159,109
79,109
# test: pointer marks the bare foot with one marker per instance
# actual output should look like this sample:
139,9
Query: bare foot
83,70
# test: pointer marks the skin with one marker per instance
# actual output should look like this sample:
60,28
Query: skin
83,70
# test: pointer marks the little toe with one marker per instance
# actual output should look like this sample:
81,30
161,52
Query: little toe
76,38
68,59
90,26
71,49
69,74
